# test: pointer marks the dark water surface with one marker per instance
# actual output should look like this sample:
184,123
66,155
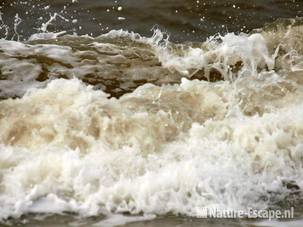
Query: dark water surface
185,20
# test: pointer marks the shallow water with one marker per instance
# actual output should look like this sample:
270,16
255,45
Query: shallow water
128,127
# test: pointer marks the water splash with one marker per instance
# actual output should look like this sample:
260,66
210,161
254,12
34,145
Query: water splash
44,26
3,26
170,141
17,22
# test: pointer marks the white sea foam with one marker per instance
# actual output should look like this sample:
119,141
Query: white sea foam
69,148
231,144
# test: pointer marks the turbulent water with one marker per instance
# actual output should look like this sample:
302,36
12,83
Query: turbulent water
122,123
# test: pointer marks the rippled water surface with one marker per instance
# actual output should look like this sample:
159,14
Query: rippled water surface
185,20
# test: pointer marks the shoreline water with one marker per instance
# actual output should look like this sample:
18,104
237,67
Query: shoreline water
123,123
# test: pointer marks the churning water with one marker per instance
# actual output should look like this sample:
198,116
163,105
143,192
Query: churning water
122,123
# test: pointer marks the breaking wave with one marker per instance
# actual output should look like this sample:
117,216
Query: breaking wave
123,123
